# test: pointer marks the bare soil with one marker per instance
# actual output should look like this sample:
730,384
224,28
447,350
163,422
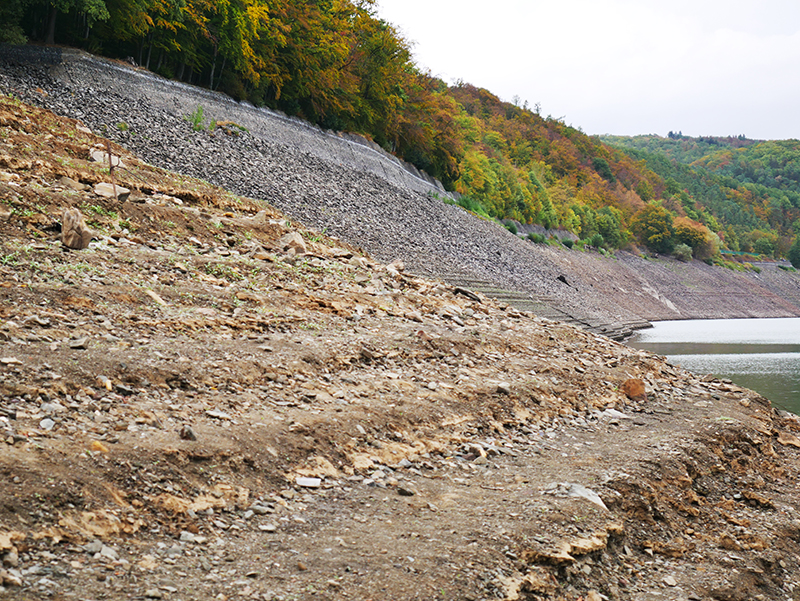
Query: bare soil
189,409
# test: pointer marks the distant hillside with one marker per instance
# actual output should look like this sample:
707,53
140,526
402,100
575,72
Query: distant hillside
676,146
752,187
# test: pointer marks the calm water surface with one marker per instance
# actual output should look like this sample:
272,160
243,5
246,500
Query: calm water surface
761,354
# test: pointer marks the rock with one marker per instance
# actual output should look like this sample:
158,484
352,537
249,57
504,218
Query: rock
155,297
186,433
47,424
100,156
217,414
787,439
634,389
99,447
504,388
11,559
109,553
565,489
584,546
186,537
613,414
11,578
175,550
293,241
124,390
153,593
70,183
309,482
557,556
397,265
79,343
670,581
405,491
107,190
74,233
268,528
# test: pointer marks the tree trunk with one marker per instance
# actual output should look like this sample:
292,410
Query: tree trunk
221,71
149,50
179,76
213,67
51,26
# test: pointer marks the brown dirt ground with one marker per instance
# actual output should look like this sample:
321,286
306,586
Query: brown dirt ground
436,423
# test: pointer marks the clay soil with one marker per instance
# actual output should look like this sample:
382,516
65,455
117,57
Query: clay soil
200,407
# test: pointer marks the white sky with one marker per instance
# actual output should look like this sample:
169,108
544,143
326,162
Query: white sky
703,67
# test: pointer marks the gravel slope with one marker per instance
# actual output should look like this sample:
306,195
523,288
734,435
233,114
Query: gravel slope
365,197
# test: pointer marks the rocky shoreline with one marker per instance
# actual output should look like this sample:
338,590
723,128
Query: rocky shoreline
324,185
211,401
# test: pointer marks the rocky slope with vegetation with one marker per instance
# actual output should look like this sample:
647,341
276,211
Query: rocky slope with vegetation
373,206
212,401
339,66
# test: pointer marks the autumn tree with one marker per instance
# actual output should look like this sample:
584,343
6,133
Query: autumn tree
653,226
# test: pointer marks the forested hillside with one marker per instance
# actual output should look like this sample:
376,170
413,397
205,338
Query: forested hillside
335,63
751,186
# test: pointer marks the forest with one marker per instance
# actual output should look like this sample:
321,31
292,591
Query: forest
338,65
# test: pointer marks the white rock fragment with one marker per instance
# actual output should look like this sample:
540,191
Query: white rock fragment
567,489
309,482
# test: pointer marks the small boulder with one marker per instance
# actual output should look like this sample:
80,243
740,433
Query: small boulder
107,190
293,241
634,389
70,183
74,233
100,156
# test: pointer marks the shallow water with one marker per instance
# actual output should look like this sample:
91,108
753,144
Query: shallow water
761,354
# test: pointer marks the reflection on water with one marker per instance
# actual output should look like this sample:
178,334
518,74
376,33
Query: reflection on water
762,354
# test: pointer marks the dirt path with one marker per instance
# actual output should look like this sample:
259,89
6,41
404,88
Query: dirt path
202,405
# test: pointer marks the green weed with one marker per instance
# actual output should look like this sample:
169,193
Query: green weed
196,119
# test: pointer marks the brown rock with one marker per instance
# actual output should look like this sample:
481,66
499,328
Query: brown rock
727,542
74,233
294,241
634,389
787,439
70,183
107,190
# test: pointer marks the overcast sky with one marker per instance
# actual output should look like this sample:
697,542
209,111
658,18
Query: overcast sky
703,67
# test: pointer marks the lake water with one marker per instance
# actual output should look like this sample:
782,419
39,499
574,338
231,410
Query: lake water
760,354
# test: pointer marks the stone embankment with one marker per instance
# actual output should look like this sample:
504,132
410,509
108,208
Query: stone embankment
346,187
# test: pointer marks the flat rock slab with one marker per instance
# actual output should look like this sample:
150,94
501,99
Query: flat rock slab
107,190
